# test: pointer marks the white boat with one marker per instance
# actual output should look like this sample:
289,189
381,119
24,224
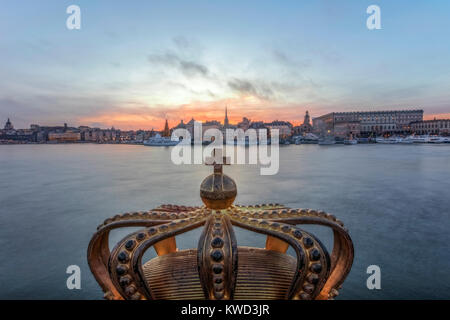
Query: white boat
420,139
350,141
437,139
390,140
407,140
158,141
325,141
308,138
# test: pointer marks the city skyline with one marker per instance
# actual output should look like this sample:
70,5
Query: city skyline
224,121
135,67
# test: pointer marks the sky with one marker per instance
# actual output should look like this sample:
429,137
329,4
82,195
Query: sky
134,64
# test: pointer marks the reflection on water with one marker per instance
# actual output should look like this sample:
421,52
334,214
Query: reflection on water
393,198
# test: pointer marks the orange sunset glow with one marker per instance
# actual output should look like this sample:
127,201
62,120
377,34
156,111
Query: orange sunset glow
154,117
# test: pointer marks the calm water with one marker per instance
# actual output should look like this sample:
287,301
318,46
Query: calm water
395,200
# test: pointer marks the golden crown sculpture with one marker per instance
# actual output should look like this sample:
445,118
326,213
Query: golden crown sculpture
219,268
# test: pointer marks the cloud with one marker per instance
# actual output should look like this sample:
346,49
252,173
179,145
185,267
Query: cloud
285,60
245,87
191,68
185,44
187,67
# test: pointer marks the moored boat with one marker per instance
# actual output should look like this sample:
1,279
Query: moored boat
158,141
328,140
389,140
437,139
420,139
407,140
350,141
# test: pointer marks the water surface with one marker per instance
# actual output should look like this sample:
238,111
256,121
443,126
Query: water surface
394,199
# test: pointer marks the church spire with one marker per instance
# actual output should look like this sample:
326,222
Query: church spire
166,132
225,123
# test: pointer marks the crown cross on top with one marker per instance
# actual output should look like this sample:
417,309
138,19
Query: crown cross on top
217,160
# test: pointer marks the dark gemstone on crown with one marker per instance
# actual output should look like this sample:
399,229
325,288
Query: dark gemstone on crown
297,234
129,244
314,254
140,236
121,270
308,242
217,268
122,256
217,255
316,268
217,242
124,281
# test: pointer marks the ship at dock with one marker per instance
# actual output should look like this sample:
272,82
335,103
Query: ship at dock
159,141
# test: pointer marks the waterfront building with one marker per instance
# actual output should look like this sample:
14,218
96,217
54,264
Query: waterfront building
181,125
366,123
213,124
284,127
190,127
244,124
257,125
98,135
127,136
345,129
9,134
64,136
8,125
435,126
305,127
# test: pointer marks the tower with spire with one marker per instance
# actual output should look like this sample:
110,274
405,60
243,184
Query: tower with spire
307,121
166,131
225,122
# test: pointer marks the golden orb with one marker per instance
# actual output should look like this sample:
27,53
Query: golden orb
218,191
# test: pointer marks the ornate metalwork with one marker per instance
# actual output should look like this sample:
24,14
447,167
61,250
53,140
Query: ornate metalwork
219,269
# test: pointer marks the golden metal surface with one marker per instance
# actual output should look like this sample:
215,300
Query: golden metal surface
276,244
